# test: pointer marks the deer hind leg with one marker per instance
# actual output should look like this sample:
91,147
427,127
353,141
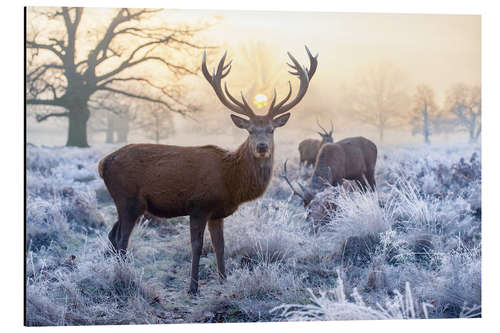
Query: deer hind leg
197,228
370,176
128,214
112,235
216,229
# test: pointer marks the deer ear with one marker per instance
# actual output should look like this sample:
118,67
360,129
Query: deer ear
240,122
281,120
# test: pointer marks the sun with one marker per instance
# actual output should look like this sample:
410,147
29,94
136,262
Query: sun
260,100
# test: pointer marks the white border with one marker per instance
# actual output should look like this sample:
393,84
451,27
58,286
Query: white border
12,161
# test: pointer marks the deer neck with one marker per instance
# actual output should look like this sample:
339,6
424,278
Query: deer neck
248,176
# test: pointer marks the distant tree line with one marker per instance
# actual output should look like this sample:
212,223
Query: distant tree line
381,98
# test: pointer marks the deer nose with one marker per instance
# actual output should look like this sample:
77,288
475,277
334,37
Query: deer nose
262,148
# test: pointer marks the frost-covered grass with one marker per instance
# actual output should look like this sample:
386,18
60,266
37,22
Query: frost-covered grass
410,250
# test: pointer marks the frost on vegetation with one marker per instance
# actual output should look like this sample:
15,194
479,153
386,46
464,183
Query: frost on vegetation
271,233
90,290
335,305
421,228
45,223
357,214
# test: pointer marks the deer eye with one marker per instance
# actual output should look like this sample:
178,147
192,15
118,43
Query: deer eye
270,130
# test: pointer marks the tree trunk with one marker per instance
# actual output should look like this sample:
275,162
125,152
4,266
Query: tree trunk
110,131
77,129
381,134
122,135
427,131
472,137
122,128
472,132
110,135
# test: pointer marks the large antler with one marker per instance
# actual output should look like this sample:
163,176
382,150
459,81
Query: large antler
304,75
284,175
215,81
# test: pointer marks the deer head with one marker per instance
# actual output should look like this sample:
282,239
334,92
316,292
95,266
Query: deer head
326,136
260,127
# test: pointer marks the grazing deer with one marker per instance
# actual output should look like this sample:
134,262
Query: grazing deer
207,183
309,148
351,159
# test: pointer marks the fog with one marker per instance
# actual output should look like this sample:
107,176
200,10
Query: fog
436,50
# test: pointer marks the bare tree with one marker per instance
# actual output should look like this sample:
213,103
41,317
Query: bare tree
464,102
378,98
68,64
425,112
156,123
112,116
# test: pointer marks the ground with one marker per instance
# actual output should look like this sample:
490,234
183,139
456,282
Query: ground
412,249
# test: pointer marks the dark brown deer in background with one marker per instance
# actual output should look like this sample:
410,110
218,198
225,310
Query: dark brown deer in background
348,159
351,159
207,183
309,148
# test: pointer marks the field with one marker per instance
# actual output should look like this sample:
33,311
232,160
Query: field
412,249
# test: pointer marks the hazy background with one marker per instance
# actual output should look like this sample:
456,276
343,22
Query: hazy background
439,51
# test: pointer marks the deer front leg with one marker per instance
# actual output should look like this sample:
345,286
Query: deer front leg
197,228
216,228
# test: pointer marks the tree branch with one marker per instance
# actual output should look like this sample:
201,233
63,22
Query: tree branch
35,74
145,98
41,118
129,63
36,101
35,45
146,81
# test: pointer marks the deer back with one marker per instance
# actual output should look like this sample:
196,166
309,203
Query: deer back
330,165
308,149
174,181
361,156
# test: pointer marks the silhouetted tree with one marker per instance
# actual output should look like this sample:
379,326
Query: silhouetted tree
69,60
464,102
112,116
156,123
424,113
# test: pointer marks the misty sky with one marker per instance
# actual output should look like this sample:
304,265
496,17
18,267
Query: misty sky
437,50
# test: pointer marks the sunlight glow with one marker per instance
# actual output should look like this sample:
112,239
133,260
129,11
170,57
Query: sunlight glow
260,100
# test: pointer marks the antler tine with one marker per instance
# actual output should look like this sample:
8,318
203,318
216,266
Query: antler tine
215,81
287,97
301,187
285,177
234,100
313,62
274,99
304,75
324,130
331,128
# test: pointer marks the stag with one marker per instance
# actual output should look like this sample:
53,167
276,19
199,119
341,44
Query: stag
348,159
309,148
206,183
